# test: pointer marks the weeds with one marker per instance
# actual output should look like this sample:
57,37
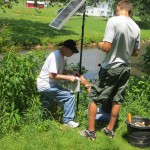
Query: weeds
18,87
20,107
146,59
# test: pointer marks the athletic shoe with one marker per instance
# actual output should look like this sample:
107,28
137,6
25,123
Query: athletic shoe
72,124
89,134
108,132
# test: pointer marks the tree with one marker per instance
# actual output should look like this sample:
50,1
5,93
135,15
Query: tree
140,8
7,3
144,11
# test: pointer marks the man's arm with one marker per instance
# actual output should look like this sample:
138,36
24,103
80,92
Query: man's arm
104,46
135,52
56,76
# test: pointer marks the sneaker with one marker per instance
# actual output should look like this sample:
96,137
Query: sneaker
108,132
72,124
89,134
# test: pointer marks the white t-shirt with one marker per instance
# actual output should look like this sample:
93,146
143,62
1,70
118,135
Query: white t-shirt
53,64
124,34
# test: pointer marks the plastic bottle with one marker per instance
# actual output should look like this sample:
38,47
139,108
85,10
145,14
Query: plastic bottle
129,117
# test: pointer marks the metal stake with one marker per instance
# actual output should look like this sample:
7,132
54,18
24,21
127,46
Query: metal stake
82,38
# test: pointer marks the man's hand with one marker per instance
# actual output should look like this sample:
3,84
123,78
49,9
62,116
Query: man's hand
72,78
100,45
86,84
104,46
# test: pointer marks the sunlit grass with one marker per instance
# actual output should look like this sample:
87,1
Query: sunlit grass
59,137
31,26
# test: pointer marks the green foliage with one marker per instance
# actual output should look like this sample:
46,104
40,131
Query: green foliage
18,86
19,100
141,9
137,98
33,114
7,4
144,11
146,59
6,42
20,108
75,67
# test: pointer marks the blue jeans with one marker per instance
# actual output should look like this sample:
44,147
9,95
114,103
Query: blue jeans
64,97
102,116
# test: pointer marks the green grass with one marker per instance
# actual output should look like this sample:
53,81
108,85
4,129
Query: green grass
58,137
31,27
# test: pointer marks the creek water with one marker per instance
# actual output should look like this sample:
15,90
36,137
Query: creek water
91,57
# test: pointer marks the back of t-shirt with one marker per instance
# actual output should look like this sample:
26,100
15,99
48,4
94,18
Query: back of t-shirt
124,34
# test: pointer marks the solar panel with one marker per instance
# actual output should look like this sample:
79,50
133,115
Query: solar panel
66,13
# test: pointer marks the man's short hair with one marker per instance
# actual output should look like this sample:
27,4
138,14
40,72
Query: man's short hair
126,5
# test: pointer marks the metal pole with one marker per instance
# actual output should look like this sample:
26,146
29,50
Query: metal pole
82,38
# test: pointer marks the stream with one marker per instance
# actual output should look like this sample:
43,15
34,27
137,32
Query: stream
91,57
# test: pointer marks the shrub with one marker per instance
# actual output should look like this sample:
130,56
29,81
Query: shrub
146,59
6,42
18,86
137,97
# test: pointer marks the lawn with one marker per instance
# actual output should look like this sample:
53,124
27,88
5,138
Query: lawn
58,137
31,26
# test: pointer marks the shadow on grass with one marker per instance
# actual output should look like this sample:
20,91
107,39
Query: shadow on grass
26,32
101,124
125,137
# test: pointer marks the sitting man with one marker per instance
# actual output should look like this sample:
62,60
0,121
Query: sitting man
49,81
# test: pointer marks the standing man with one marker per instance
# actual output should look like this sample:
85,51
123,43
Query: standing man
121,40
49,81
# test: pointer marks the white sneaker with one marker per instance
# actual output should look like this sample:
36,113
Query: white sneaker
72,124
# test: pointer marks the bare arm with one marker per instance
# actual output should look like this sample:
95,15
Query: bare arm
104,46
135,52
56,76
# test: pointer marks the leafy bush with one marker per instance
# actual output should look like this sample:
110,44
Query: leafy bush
75,67
18,86
6,42
7,4
137,98
146,59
